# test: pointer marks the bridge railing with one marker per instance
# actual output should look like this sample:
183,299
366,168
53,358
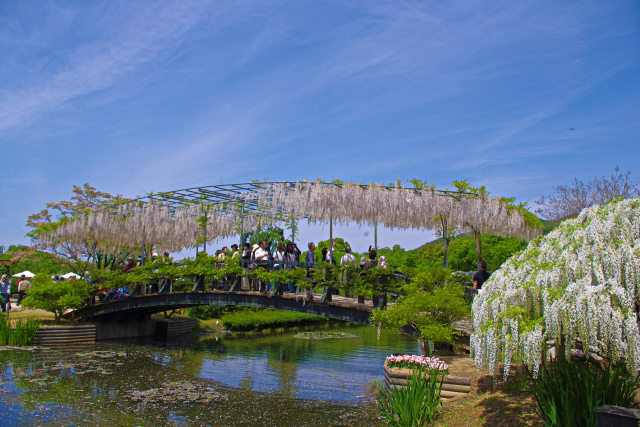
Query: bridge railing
267,276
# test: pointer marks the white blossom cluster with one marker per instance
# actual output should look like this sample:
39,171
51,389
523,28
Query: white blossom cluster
578,284
402,208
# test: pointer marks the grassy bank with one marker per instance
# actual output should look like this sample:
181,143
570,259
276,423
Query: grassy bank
267,319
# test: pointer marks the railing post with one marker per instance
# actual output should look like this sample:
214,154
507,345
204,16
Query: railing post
206,219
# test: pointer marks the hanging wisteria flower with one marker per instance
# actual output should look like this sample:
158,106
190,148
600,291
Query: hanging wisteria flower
413,361
578,285
155,222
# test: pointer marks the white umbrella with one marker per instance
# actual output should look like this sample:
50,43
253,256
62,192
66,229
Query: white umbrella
25,273
70,275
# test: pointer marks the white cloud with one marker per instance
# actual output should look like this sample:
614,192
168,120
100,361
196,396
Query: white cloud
96,65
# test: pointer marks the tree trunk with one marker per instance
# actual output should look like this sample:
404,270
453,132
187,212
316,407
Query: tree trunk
445,261
478,247
424,346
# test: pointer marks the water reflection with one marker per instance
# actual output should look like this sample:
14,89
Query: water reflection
273,379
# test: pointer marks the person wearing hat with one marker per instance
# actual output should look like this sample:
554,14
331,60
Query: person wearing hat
5,291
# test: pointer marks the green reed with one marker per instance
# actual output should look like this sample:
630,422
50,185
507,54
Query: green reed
22,332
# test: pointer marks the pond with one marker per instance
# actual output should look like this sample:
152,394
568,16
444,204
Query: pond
273,379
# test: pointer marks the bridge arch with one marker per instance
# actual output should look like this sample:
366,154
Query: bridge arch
142,307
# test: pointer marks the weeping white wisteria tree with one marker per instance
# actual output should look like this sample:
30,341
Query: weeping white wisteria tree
171,221
579,286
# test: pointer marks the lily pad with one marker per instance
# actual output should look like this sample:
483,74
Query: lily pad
323,335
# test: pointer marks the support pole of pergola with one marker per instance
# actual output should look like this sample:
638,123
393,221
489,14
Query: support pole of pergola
242,227
206,219
330,234
375,236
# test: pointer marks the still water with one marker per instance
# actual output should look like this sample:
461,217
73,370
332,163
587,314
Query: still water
272,379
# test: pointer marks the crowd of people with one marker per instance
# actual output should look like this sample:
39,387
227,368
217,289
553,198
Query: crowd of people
285,256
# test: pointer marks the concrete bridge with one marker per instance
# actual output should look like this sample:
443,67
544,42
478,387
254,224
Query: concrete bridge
140,308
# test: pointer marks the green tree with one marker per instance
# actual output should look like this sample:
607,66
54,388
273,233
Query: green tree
57,297
339,243
268,233
431,302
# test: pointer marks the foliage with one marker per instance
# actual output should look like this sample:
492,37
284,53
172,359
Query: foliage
38,262
57,297
414,405
578,285
205,312
22,332
256,320
268,233
339,244
567,392
430,303
496,250
568,201
462,254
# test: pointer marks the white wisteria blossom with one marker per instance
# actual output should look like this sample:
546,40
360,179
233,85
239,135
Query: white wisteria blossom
578,286
176,228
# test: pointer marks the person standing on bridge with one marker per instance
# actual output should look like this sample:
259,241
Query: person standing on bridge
223,254
291,260
261,254
310,261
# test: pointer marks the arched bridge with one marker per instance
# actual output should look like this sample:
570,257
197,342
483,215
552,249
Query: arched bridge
141,307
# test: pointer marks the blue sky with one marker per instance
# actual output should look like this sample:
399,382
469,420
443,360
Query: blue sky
153,96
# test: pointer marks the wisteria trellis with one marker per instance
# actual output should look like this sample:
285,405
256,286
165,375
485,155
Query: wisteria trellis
176,227
580,284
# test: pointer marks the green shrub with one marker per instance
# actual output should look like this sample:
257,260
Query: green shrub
568,391
57,297
205,312
256,320
414,405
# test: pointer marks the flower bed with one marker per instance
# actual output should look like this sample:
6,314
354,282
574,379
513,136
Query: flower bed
414,361
399,368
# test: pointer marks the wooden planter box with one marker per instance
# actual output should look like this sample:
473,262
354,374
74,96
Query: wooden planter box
451,386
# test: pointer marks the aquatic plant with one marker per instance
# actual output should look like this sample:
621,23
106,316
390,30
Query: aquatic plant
22,332
321,335
578,286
